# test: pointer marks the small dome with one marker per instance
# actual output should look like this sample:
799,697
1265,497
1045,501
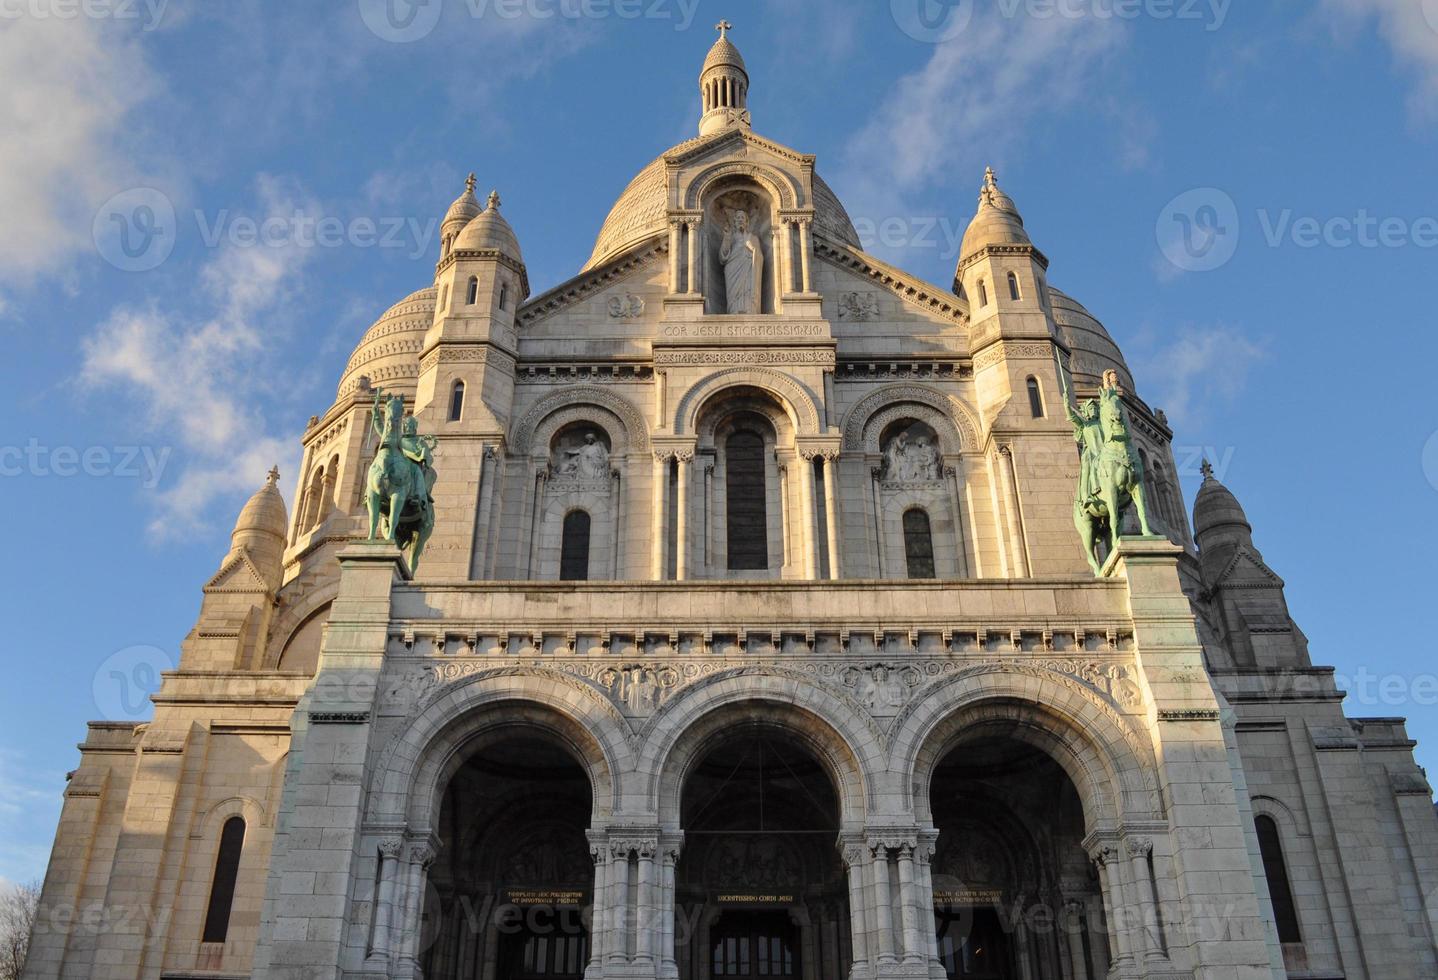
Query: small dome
1093,350
1217,509
489,230
723,55
264,514
998,221
388,353
464,209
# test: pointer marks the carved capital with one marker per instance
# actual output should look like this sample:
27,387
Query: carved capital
684,455
390,846
421,854
1140,846
663,455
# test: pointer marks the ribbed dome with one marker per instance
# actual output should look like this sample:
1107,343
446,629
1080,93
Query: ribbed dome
1217,509
642,212
724,54
264,514
998,221
1094,351
489,230
464,209
388,354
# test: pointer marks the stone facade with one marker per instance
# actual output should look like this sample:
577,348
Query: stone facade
819,684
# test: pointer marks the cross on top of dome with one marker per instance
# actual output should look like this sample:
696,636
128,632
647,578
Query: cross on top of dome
723,27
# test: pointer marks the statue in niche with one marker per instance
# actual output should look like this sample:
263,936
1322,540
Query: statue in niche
911,461
587,462
743,259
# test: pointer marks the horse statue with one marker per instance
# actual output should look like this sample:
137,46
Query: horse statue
1111,473
399,489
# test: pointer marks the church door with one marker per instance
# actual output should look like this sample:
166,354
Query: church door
755,944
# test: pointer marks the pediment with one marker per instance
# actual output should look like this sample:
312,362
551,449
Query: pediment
727,143
631,266
1245,569
238,574
866,272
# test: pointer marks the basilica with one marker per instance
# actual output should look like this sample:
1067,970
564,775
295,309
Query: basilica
728,611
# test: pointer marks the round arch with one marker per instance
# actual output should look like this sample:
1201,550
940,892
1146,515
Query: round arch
779,185
622,421
830,725
1102,755
415,769
794,398
948,416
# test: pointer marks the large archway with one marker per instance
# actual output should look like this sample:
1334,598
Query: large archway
761,890
510,890
1015,896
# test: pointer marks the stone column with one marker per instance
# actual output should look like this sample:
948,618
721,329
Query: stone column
1139,848
961,519
384,902
880,540
669,964
616,945
831,511
421,856
1077,967
855,855
599,909
674,227
644,922
784,529
691,228
805,247
806,509
659,545
1014,507
1106,860
908,905
883,904
786,258
681,523
923,857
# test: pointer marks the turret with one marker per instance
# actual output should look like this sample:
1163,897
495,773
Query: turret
723,86
464,210
1002,274
260,530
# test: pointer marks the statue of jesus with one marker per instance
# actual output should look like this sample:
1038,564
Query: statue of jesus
743,260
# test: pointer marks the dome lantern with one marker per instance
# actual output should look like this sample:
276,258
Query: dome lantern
464,210
723,86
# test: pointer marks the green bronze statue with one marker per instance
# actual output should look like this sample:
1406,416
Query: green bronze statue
399,490
1110,471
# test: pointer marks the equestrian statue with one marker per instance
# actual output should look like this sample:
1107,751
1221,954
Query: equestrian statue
399,490
1110,471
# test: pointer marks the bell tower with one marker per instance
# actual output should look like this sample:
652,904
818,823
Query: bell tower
724,86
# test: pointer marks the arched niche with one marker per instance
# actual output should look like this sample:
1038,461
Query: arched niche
739,209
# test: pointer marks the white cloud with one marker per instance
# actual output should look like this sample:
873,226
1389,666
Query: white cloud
978,96
1410,28
1196,365
202,379
70,87
28,812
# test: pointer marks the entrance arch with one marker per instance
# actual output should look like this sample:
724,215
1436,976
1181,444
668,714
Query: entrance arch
760,888
1015,895
511,884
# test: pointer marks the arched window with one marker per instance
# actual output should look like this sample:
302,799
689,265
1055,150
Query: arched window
456,402
746,516
574,553
472,296
222,888
1013,286
1036,399
443,300
918,544
504,296
983,295
1275,869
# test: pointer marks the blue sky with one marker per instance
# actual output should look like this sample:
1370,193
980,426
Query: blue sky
151,388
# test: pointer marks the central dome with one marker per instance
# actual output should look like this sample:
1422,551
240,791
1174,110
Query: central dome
642,212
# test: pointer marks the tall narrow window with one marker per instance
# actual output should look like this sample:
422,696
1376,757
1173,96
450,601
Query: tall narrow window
1285,914
472,296
918,544
574,554
504,296
1036,399
222,890
1013,286
456,402
983,295
745,491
